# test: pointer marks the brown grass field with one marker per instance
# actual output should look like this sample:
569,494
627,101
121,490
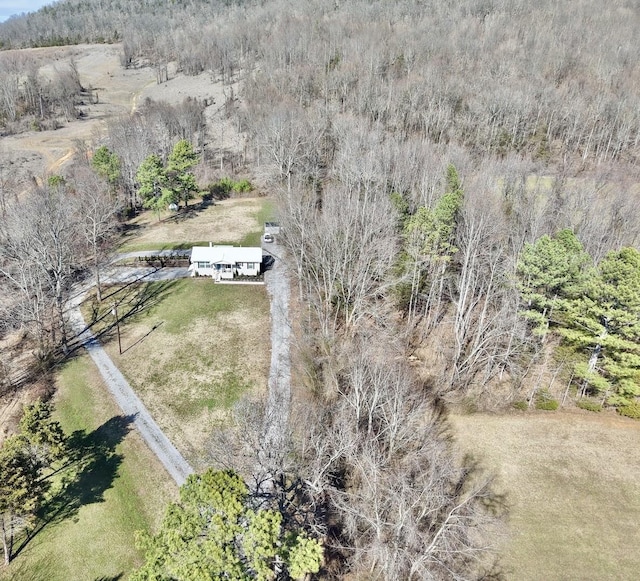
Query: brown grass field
234,221
572,485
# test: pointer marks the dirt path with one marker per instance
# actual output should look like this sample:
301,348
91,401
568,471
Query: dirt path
128,401
118,91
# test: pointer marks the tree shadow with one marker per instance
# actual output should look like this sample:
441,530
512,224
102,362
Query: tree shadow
91,469
130,299
114,578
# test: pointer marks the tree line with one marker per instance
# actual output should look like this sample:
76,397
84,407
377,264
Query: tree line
48,237
486,77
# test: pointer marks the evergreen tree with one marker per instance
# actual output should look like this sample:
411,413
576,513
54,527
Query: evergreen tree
429,236
152,184
21,490
44,436
215,532
23,461
604,323
107,165
181,180
550,271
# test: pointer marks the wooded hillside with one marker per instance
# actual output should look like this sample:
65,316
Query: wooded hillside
457,189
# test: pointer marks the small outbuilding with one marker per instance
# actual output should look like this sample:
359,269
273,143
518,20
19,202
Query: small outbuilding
225,262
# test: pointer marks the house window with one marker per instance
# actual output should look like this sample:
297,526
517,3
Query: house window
202,264
251,265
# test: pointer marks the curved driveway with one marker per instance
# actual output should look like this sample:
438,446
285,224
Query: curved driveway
125,397
276,427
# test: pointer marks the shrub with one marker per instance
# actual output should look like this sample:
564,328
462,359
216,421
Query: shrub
224,186
544,401
521,405
589,405
242,186
631,410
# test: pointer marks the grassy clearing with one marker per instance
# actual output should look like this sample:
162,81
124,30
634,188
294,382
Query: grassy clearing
232,221
122,489
572,481
191,349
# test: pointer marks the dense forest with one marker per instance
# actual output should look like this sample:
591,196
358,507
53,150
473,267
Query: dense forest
456,186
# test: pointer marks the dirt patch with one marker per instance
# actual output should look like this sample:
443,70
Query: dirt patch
220,99
114,87
115,91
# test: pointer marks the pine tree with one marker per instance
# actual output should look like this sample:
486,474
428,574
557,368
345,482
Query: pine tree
429,236
181,180
604,323
24,459
21,490
44,436
550,271
152,184
216,532
107,165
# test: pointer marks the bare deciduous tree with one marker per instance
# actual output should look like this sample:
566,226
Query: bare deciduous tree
95,211
378,449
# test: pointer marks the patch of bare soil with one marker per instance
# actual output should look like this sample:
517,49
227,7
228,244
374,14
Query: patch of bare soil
114,87
114,91
226,221
220,98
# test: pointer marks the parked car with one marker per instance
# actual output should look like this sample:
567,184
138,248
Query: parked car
268,237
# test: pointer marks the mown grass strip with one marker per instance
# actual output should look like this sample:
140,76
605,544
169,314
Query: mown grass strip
118,488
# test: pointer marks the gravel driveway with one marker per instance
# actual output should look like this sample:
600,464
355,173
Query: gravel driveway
125,397
276,427
279,398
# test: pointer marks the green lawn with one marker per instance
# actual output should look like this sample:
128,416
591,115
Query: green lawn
118,489
191,349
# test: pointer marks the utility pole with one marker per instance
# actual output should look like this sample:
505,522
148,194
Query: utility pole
114,312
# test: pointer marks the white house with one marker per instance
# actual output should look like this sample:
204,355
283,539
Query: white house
225,262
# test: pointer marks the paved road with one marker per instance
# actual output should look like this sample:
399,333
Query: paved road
128,401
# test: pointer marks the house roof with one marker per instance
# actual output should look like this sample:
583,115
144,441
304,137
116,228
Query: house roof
226,254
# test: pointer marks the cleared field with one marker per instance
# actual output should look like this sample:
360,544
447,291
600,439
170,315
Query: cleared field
90,526
191,349
233,221
572,482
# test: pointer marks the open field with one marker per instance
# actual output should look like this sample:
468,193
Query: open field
119,91
190,352
572,482
232,221
122,489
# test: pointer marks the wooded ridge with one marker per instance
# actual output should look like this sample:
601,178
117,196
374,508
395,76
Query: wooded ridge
456,187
